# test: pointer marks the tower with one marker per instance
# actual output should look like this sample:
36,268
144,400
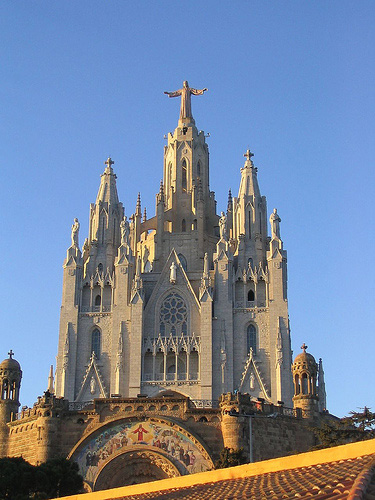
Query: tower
305,372
10,382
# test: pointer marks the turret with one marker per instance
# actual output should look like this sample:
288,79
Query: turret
305,371
10,382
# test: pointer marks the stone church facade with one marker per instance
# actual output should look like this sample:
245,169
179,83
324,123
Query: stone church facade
174,331
185,300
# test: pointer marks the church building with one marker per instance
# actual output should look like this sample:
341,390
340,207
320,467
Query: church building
173,329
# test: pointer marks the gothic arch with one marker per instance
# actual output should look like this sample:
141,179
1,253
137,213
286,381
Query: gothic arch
251,337
96,341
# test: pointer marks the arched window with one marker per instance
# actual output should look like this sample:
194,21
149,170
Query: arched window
297,386
183,226
98,300
250,296
195,224
198,169
184,175
100,268
250,262
251,339
173,315
305,389
95,342
183,261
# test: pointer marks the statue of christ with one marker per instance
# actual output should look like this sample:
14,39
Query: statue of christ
185,94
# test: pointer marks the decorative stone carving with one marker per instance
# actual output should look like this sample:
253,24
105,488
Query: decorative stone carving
75,233
275,224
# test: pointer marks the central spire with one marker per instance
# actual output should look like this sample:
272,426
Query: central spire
185,93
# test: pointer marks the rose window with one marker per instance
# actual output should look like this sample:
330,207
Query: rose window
173,315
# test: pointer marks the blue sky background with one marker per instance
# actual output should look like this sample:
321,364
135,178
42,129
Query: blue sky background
292,80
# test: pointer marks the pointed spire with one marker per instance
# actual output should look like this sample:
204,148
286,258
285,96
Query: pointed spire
230,201
138,208
50,387
108,190
321,387
144,215
249,182
160,196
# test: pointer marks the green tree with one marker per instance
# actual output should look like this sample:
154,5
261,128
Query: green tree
17,479
230,457
357,426
20,480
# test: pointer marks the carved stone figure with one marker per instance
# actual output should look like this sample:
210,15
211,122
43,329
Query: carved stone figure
223,227
185,93
125,230
75,231
173,274
92,385
252,380
275,224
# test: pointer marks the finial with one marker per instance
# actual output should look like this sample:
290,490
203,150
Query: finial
11,354
138,206
304,347
248,155
230,201
161,189
109,162
144,215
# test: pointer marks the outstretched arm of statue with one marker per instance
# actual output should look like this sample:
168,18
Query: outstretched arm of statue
176,93
197,91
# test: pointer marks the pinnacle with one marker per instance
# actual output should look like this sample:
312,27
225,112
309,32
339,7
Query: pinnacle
138,210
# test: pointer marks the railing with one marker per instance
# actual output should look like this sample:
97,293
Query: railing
240,304
159,377
96,309
205,403
79,405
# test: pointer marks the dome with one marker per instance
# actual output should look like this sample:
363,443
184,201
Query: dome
10,363
304,360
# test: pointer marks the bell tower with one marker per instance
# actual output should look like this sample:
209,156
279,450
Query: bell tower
10,382
189,217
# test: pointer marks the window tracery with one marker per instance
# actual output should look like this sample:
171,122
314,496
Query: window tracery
173,315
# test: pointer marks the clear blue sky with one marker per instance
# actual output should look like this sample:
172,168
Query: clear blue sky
292,80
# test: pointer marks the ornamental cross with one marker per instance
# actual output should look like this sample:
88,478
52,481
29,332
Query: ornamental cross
11,354
248,155
304,347
109,162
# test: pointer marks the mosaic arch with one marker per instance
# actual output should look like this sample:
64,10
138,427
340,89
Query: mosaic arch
133,451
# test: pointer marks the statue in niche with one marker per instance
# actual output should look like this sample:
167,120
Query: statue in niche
125,230
75,231
92,385
275,224
185,93
173,274
223,227
252,380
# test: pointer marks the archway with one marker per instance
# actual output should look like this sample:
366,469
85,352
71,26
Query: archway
135,467
165,447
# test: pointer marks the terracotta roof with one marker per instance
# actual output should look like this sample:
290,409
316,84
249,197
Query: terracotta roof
334,480
335,473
